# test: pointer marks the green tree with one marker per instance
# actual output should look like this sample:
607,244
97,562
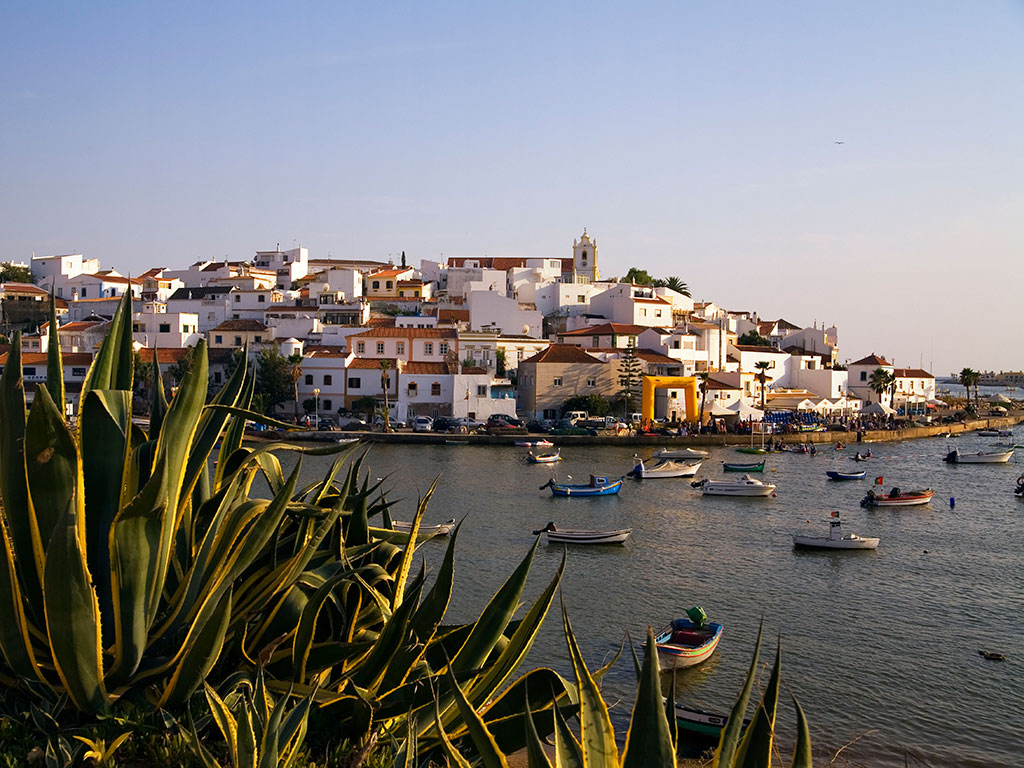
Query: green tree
753,339
703,376
631,377
637,276
273,379
970,378
762,378
295,371
594,405
15,273
385,384
880,381
499,362
178,370
469,362
676,284
365,404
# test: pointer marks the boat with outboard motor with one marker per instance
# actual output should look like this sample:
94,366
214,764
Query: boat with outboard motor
897,498
599,485
687,642
836,539
981,457
742,486
663,468
561,536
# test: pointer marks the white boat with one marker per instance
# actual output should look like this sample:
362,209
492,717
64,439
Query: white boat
686,642
533,444
441,529
999,457
664,468
836,539
678,453
565,536
745,485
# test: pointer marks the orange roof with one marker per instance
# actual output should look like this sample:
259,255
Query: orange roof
23,287
563,353
871,359
370,363
41,358
607,328
407,333
389,272
435,369
453,315
911,373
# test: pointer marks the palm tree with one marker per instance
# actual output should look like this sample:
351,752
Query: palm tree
295,371
703,387
677,285
762,377
880,381
385,383
970,378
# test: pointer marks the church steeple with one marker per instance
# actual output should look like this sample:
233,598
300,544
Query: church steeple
584,259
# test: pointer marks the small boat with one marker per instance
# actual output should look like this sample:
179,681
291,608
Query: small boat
702,724
897,498
858,456
599,485
730,466
987,432
744,449
836,539
1000,457
664,468
533,444
687,642
834,475
744,486
441,529
543,458
559,536
678,453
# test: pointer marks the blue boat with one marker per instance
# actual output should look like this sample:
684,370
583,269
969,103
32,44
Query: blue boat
599,485
833,475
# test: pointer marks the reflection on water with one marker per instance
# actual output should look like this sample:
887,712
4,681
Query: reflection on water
883,641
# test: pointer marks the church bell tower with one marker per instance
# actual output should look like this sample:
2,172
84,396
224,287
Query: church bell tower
584,259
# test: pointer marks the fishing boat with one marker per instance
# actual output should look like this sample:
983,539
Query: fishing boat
599,485
730,466
441,529
744,486
897,498
836,539
999,457
664,468
687,642
533,444
702,724
560,536
678,453
543,458
835,475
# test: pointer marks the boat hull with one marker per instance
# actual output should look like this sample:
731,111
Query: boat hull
757,451
674,654
667,468
678,453
550,459
955,457
577,491
729,467
833,475
819,542
898,501
589,537
702,723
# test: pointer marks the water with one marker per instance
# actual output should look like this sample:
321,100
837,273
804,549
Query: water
882,645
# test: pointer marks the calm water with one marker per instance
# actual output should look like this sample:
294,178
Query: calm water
879,643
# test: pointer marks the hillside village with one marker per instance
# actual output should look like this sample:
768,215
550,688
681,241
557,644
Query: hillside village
464,337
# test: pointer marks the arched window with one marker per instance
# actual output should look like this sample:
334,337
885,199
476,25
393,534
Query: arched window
435,389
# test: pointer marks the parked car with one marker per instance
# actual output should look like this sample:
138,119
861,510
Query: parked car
422,424
326,425
378,422
445,424
502,420
538,426
353,424
470,424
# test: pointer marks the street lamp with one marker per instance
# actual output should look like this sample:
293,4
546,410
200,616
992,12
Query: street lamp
316,408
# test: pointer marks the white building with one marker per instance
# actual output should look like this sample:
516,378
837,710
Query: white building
289,266
494,311
55,271
155,327
634,304
210,303
859,378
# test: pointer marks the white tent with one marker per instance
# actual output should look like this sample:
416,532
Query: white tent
746,411
877,409
717,409
999,397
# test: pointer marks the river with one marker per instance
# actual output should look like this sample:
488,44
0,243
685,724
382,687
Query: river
881,648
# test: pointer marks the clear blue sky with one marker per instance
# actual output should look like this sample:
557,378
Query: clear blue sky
691,139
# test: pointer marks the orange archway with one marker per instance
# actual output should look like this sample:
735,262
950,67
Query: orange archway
686,383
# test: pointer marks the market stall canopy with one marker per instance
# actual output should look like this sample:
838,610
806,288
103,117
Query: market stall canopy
999,397
717,409
877,409
747,411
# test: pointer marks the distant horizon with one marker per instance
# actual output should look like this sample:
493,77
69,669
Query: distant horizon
858,165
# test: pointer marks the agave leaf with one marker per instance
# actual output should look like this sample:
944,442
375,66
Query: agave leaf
756,746
202,648
302,641
403,571
670,714
486,747
248,415
248,743
15,640
114,365
54,366
158,401
596,732
406,757
446,746
729,741
224,720
536,691
802,750
432,609
649,740
536,757
568,753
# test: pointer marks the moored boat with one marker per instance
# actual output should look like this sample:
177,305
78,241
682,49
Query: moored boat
744,449
441,529
533,444
731,466
743,486
897,498
701,723
998,457
599,485
987,432
835,475
687,642
543,458
664,468
836,539
568,536
678,453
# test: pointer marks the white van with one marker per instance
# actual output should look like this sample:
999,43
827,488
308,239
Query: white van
575,416
423,424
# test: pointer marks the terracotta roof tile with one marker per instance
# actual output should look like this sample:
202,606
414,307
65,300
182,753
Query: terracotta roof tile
241,325
370,363
871,359
408,333
606,329
563,353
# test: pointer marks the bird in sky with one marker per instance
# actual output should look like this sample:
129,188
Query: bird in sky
840,142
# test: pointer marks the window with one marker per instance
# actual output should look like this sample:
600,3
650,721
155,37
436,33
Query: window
217,376
435,389
657,313
376,285
238,341
390,285
29,371
428,348
400,347
238,298
327,380
581,299
326,404
258,339
309,379
360,347
591,382
261,299
136,328
165,327
863,375
412,389
85,292
380,347
643,313
218,339
443,348
78,372
557,382
353,382
481,390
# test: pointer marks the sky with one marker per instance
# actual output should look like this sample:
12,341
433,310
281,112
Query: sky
697,140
